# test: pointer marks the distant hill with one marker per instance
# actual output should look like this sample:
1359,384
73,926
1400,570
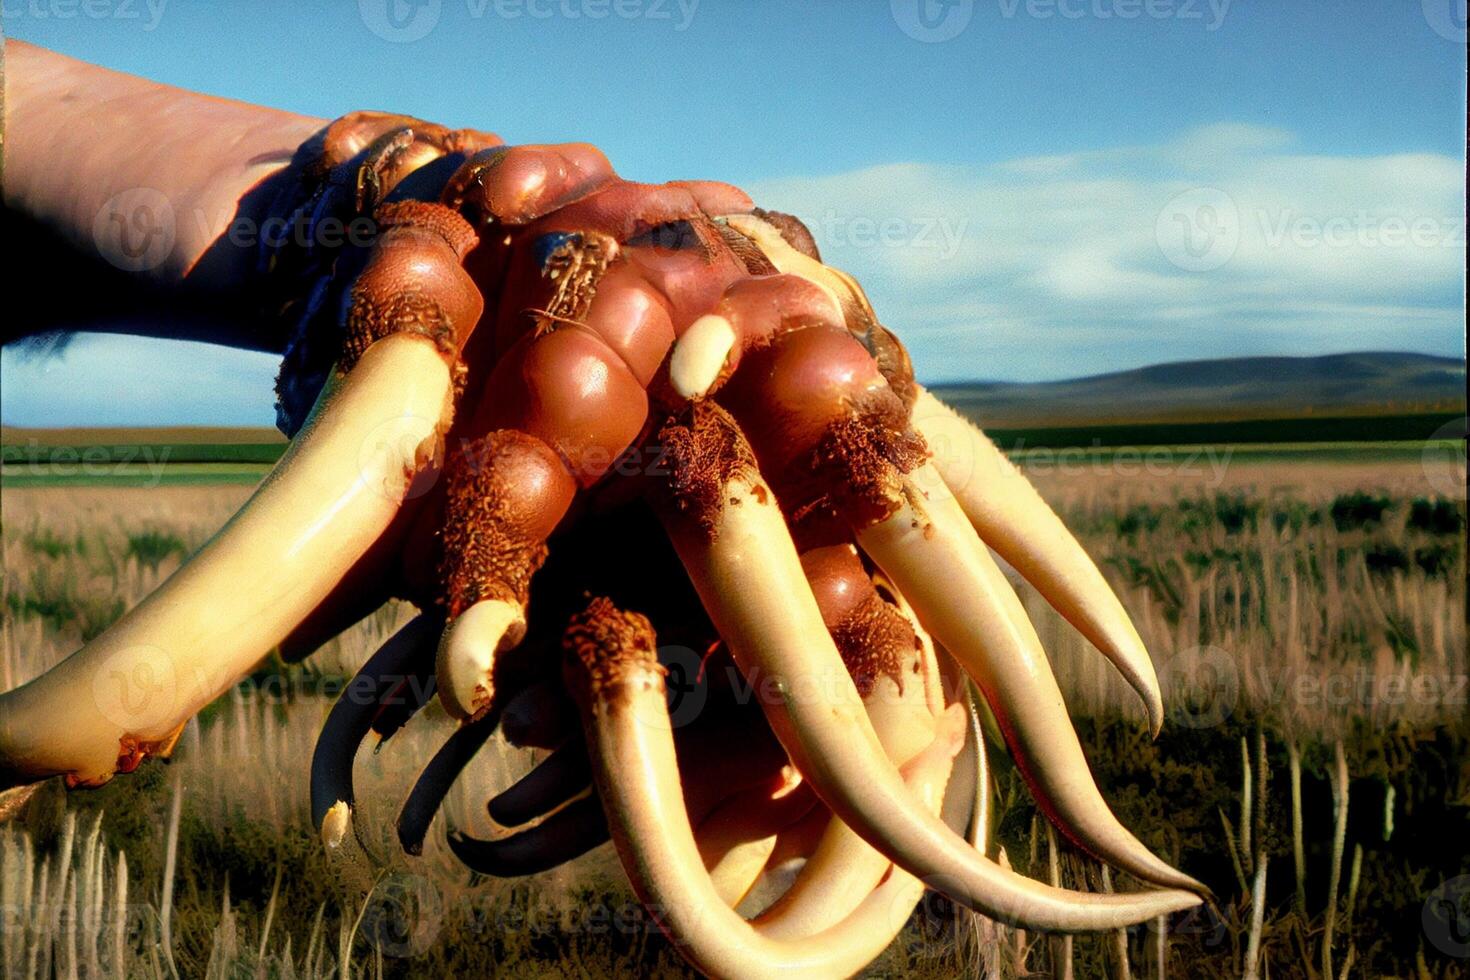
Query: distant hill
1243,388
1363,397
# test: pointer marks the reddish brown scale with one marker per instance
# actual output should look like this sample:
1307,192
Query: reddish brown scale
763,308
690,280
415,282
505,494
703,452
873,637
517,185
826,427
581,383
838,580
349,135
573,379
623,210
569,389
689,275
789,392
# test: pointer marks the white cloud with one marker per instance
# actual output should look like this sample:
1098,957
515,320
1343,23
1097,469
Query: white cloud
1220,242
1037,267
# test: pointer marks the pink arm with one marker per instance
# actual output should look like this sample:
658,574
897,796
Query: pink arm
141,179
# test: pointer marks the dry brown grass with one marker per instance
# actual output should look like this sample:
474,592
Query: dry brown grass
1254,608
1288,618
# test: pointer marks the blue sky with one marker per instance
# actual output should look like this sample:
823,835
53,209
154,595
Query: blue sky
1029,188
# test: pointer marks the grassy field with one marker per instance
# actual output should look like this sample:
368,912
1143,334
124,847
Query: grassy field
1307,611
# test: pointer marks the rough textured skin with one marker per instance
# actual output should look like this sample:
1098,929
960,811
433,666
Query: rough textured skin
862,459
433,218
747,252
414,282
604,647
576,266
875,641
873,637
704,452
506,492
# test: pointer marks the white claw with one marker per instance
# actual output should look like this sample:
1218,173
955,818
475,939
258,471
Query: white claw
465,663
750,581
1011,517
699,355
933,555
333,493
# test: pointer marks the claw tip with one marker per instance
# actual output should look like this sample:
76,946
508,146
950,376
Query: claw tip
699,355
336,824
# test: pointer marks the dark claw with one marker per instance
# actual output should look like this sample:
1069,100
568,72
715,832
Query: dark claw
569,833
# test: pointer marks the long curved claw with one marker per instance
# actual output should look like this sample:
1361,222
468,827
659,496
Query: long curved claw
893,664
1011,517
434,783
468,652
568,833
843,868
830,420
562,776
967,796
978,618
738,807
734,543
1007,511
615,676
353,716
124,695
